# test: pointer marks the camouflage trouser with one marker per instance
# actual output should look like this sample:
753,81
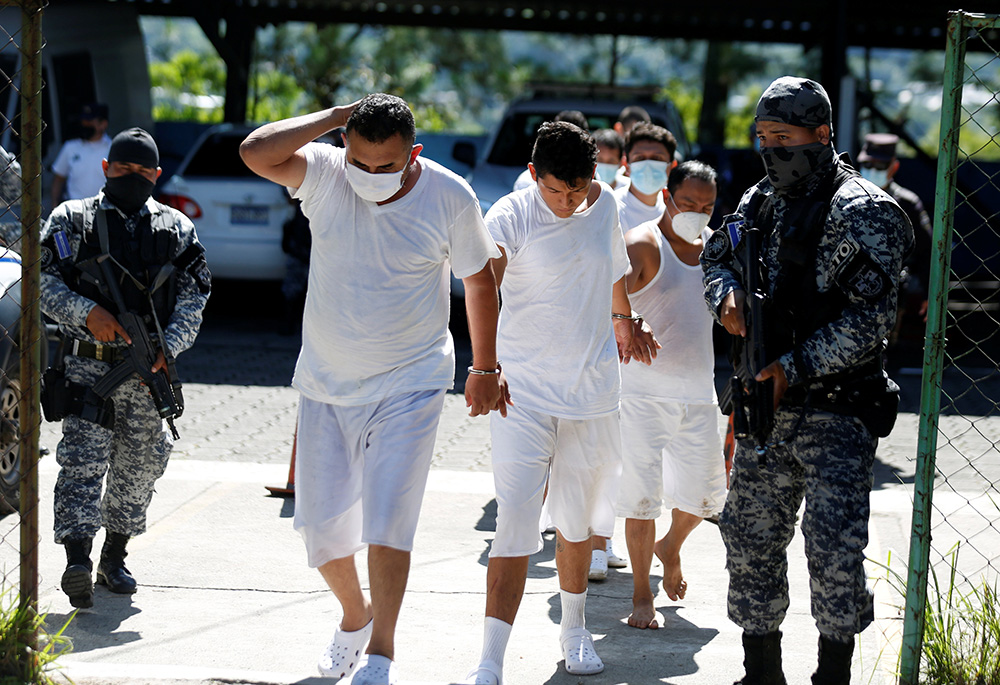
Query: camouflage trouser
829,462
133,456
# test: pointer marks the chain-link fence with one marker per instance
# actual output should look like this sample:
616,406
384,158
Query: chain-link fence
20,321
955,537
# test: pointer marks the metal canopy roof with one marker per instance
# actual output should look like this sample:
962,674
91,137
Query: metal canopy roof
918,24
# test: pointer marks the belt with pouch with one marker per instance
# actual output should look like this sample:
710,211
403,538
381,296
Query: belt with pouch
98,351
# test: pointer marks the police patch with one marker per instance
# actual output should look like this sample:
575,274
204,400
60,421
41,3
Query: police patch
202,276
718,247
62,244
46,256
860,275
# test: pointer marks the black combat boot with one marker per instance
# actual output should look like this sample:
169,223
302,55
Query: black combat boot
77,582
762,660
112,571
834,662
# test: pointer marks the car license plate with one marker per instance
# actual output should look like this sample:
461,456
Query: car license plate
248,215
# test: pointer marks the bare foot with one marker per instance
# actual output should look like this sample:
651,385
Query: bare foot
673,580
643,614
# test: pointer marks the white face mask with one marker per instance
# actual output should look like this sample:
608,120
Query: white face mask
648,176
374,187
879,177
607,172
688,225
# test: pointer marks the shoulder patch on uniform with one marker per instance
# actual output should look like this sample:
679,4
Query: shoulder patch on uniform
718,246
843,254
46,256
62,244
857,273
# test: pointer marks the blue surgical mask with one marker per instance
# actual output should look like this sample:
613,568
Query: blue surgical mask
879,177
649,176
607,172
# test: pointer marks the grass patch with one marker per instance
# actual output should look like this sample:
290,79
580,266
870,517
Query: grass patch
19,663
961,642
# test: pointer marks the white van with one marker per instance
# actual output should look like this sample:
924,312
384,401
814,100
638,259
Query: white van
92,53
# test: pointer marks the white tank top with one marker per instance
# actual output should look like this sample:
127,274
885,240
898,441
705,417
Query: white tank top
673,304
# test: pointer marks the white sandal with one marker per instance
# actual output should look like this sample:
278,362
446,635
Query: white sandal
486,673
375,669
579,653
344,652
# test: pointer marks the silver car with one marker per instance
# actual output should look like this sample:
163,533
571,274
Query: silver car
238,215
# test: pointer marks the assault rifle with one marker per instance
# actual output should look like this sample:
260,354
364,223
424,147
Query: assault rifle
751,402
140,356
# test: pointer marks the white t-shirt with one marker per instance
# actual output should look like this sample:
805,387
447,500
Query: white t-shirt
632,211
80,162
673,304
523,180
556,340
376,314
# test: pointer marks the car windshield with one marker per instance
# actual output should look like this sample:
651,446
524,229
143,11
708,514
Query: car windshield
517,134
219,155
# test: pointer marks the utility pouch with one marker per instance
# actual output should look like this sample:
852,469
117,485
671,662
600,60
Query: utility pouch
55,394
62,398
880,405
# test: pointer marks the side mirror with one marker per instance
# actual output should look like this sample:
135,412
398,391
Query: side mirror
464,152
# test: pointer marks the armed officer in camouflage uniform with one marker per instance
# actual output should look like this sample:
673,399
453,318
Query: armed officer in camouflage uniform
832,247
161,272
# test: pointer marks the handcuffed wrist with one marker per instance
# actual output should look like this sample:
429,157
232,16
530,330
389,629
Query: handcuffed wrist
485,372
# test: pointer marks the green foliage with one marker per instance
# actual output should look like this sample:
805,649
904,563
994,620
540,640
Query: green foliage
19,663
688,99
961,641
181,85
739,120
961,633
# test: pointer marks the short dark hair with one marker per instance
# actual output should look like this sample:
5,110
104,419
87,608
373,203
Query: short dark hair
634,114
573,116
564,151
652,133
690,169
380,116
608,137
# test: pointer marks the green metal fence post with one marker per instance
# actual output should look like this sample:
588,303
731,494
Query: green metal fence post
934,351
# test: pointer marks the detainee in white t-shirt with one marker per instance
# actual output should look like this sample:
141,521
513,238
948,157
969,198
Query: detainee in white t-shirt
376,354
671,442
649,157
565,324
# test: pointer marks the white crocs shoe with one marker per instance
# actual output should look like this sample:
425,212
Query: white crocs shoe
486,673
344,653
614,561
375,669
598,565
579,653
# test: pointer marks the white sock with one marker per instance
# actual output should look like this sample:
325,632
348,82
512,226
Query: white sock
496,634
573,606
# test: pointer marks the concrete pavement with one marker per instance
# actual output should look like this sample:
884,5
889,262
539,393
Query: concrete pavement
225,595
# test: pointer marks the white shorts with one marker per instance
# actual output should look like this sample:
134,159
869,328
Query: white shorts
671,457
585,456
360,472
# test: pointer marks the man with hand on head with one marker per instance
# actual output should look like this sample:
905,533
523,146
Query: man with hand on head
377,356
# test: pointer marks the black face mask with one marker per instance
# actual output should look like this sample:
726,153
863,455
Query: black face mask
87,132
129,192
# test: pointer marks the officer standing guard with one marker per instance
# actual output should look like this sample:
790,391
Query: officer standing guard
116,257
831,249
